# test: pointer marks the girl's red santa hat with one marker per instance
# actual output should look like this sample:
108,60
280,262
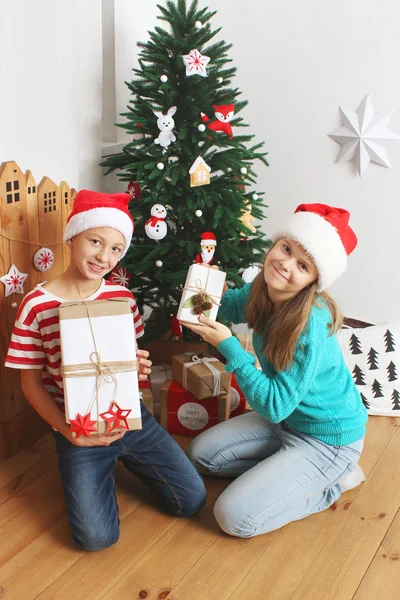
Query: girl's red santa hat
325,234
208,239
96,209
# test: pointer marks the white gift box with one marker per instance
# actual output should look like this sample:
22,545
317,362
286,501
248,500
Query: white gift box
159,374
201,280
110,333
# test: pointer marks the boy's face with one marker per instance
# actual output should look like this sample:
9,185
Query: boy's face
95,252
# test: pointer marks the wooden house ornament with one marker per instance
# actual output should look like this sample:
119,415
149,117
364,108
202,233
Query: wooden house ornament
199,173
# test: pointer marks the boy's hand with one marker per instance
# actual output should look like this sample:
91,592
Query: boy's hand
212,332
144,364
99,439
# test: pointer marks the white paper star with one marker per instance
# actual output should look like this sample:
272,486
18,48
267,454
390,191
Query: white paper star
196,63
14,281
363,136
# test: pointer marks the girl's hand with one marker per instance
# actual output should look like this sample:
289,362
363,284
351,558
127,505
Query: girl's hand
212,332
144,364
99,439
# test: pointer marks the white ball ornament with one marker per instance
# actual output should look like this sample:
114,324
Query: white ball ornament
198,24
198,213
220,80
164,78
14,305
159,263
160,166
201,127
250,273
255,196
243,170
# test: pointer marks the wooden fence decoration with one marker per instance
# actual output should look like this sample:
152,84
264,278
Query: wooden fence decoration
31,217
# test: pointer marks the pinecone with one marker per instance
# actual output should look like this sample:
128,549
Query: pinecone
198,299
197,310
207,306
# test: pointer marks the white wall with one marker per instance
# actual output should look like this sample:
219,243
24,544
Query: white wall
297,61
51,86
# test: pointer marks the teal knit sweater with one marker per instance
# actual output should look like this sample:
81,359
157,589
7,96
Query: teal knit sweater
316,395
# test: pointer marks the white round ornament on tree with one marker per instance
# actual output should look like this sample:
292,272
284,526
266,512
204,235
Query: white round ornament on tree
201,127
243,171
164,78
220,80
160,166
250,273
198,213
156,227
43,259
159,263
198,24
255,196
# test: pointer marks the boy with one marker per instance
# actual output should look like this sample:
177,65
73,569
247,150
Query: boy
98,232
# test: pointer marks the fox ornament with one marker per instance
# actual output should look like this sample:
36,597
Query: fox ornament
224,114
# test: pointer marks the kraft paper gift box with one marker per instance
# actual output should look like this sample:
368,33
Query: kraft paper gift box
202,376
99,363
159,374
145,394
183,414
201,280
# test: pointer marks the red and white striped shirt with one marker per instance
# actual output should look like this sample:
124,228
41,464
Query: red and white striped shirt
35,339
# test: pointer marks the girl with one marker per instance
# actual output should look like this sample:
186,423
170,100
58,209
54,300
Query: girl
299,449
98,233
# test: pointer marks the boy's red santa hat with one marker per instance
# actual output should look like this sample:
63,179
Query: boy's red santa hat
97,209
325,234
208,239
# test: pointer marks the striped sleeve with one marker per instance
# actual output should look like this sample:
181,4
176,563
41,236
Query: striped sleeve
26,347
137,320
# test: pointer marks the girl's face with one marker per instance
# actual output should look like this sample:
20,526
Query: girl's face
95,252
287,270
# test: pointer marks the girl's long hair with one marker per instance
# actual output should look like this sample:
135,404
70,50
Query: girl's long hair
281,333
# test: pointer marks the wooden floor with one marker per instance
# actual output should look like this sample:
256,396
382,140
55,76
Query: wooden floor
349,551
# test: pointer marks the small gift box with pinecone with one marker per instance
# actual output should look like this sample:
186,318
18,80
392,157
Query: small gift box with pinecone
201,294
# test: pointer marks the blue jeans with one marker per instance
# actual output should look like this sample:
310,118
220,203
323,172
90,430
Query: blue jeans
88,478
281,475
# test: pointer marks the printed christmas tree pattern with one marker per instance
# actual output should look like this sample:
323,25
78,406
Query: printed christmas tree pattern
392,371
377,389
358,376
372,359
365,401
389,341
396,400
355,345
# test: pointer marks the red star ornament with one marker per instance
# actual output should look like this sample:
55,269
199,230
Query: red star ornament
120,276
118,416
109,416
82,425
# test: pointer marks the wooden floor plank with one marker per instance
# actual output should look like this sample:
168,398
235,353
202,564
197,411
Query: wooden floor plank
164,565
340,567
18,464
382,580
280,562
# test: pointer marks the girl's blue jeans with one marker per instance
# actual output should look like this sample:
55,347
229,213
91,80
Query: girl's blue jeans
88,478
281,475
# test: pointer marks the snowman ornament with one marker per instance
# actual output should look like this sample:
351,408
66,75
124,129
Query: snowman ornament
156,227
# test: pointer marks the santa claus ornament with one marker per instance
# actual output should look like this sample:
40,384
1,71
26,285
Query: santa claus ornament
156,227
43,259
207,243
224,114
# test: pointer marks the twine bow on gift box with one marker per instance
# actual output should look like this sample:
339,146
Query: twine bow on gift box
205,360
201,302
103,371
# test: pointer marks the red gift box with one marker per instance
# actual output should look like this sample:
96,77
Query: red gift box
238,400
183,414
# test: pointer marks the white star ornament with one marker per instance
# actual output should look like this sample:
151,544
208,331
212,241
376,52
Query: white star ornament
196,63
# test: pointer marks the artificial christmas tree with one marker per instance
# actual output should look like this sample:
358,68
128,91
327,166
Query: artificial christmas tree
190,158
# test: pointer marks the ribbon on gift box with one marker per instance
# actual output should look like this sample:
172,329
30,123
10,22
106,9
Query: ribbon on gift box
205,360
197,287
103,371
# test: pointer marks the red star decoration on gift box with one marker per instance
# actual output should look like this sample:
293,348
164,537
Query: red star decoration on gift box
116,417
82,425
